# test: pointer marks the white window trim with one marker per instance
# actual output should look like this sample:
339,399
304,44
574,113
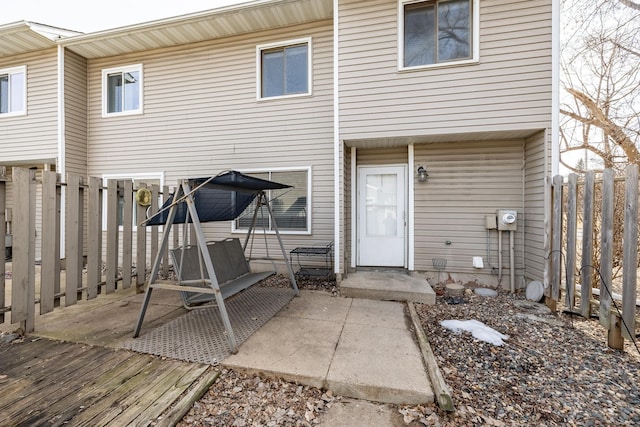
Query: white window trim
475,42
122,176
16,70
283,44
306,232
122,69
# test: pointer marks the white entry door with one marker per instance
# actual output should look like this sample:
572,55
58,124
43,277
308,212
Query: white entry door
381,216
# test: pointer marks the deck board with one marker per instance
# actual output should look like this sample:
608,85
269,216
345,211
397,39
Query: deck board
47,382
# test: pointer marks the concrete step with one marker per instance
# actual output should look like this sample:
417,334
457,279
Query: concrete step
387,286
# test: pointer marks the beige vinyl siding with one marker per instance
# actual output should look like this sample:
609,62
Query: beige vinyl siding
347,226
535,189
33,137
75,101
382,156
201,117
467,181
509,89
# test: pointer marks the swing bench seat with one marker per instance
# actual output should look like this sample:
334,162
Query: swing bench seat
229,264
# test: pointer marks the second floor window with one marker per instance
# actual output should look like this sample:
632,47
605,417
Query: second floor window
437,31
284,69
13,90
122,90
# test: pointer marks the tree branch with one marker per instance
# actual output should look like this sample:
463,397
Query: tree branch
630,4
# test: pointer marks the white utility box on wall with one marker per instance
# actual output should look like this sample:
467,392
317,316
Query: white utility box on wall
507,219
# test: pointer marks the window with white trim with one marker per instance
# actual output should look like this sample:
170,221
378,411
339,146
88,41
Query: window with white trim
284,69
122,90
291,206
438,32
13,91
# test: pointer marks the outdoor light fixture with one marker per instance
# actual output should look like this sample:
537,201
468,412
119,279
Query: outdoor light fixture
422,174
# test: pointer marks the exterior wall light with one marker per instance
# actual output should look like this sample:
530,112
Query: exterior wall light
422,174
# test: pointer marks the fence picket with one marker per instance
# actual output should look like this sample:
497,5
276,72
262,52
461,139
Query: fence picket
606,247
3,232
50,277
586,269
94,237
74,239
127,233
572,229
556,244
112,235
165,255
141,248
630,252
24,248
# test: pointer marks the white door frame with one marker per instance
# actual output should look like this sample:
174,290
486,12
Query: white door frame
403,214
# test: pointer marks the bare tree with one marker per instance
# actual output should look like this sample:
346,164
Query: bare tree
601,80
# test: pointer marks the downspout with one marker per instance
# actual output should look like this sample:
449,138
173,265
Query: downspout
337,207
555,135
555,87
61,166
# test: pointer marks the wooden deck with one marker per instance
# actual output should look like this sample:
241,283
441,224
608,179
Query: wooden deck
44,382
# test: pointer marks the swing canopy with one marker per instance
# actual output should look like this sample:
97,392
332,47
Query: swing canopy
220,198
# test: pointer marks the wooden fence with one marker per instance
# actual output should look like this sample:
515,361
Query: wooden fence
84,271
594,275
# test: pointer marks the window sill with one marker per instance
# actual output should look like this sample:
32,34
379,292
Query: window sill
13,114
123,114
439,65
294,96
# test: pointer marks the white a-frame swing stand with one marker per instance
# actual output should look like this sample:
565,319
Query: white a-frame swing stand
209,284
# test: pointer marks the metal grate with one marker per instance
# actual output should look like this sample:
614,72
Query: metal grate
199,335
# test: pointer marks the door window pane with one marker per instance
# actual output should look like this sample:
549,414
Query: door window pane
382,211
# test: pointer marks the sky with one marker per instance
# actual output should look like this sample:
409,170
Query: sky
90,15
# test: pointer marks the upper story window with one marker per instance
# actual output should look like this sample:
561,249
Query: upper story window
290,205
438,32
284,69
122,90
13,91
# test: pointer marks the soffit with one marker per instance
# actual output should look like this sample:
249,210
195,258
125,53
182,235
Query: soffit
217,23
23,37
400,141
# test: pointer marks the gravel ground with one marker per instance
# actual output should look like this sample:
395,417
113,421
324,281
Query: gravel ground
552,370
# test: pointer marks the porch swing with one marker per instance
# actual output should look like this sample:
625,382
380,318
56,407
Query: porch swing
210,272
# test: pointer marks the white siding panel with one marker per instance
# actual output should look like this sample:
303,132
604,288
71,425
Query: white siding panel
510,88
536,166
201,117
466,182
34,135
76,113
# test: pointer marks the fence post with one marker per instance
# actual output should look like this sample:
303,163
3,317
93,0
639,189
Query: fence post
50,277
127,233
155,193
24,248
630,253
94,238
606,248
572,228
556,243
586,269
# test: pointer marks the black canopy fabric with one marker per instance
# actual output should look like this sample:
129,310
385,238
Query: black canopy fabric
220,198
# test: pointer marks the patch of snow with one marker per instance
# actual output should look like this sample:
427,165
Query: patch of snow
478,329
